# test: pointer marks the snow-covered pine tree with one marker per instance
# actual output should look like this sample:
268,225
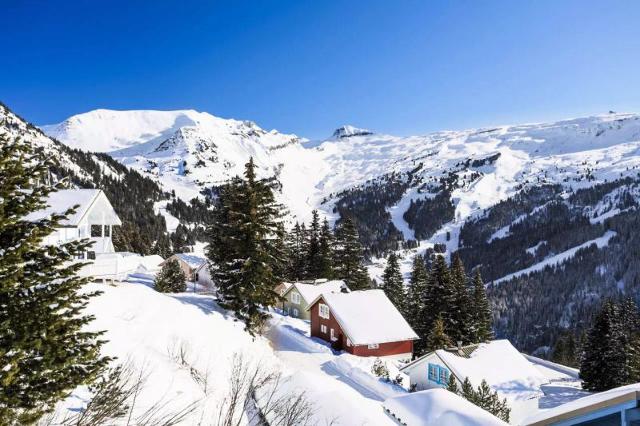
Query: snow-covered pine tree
609,348
461,310
439,297
45,350
414,307
325,269
393,284
349,256
244,247
297,254
171,279
481,316
452,384
438,338
313,247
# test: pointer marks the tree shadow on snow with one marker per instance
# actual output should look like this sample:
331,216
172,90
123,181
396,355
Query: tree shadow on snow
206,304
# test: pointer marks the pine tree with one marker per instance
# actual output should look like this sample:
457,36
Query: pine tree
245,249
481,316
45,348
171,279
452,384
485,398
392,283
349,257
467,391
414,307
297,255
313,247
438,338
439,297
460,311
609,348
325,268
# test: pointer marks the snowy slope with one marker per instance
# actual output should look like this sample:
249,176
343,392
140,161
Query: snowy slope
184,344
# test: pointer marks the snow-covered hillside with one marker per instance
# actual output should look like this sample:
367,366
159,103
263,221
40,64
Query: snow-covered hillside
186,348
189,151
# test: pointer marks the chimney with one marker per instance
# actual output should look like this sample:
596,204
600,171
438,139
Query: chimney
460,352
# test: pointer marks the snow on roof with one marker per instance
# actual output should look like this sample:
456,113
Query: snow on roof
310,292
587,404
59,201
438,407
368,316
504,368
191,259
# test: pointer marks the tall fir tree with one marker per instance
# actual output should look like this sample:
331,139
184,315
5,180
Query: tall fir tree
349,257
171,279
610,347
461,312
325,269
296,253
45,349
313,247
481,316
245,249
439,297
414,307
393,284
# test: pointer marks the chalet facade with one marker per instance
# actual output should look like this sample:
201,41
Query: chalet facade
298,296
94,219
362,323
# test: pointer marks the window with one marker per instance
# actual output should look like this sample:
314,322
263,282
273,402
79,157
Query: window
295,312
333,335
323,328
438,374
444,376
323,311
373,346
295,298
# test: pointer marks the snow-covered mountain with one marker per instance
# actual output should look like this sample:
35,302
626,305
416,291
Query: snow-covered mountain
188,151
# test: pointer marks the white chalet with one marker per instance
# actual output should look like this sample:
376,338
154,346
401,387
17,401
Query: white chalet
504,368
93,219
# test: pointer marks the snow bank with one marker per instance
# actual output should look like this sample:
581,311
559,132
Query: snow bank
438,407
172,339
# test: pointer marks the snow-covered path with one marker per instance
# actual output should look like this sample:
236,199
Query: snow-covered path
347,394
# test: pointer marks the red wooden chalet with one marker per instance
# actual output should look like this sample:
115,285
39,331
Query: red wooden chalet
363,323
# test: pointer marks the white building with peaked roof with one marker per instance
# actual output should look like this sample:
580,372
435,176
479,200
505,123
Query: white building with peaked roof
94,219
503,367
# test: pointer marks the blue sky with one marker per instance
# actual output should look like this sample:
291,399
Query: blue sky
305,67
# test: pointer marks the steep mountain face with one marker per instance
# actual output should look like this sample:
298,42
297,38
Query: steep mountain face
132,195
515,201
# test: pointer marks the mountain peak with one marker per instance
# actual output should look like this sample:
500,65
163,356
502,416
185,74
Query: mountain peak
348,131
